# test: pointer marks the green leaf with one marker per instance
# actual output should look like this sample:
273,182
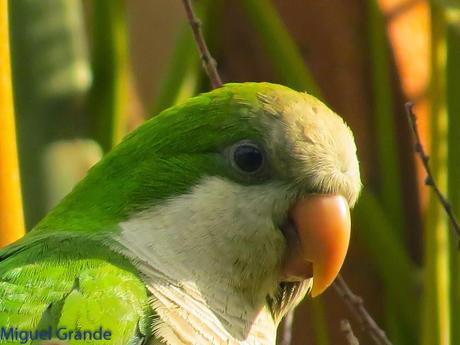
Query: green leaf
436,298
399,275
280,46
109,92
453,104
50,78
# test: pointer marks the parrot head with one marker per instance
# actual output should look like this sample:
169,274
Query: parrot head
237,197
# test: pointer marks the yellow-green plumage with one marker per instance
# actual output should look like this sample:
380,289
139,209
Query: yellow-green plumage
63,281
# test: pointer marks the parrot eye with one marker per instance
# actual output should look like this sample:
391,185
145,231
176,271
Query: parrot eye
247,157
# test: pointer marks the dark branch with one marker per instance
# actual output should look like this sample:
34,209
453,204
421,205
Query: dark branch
209,64
362,316
430,180
345,327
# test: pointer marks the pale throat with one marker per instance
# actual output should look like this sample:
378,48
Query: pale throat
215,248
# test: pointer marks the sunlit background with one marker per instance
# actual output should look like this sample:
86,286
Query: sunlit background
84,73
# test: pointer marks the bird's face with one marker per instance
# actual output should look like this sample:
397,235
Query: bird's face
272,181
313,151
299,177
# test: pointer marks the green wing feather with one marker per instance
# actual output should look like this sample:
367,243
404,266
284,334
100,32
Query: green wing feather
72,282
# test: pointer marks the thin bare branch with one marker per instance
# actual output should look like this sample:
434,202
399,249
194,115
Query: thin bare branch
429,180
356,307
209,64
345,327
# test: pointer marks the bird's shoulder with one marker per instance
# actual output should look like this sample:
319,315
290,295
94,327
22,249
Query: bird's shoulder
72,282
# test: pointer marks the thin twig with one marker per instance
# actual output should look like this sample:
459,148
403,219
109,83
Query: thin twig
345,327
353,301
286,338
429,180
209,64
356,306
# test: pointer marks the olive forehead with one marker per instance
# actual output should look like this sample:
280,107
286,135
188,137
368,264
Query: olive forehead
310,144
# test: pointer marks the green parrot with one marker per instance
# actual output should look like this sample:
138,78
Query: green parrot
205,225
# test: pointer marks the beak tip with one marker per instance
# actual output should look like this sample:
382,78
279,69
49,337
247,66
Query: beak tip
318,289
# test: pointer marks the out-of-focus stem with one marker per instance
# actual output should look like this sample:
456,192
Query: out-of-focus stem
109,91
383,114
436,302
320,322
280,46
390,188
11,214
453,103
372,227
51,78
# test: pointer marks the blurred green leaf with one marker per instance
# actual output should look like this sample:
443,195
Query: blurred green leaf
50,78
319,319
109,92
390,180
180,79
453,103
387,252
281,48
387,154
436,299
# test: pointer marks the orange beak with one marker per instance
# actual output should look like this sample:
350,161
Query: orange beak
322,234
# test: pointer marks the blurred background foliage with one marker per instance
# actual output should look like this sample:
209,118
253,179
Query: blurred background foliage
84,73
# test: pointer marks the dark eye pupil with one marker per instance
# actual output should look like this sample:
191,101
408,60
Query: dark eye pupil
248,158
